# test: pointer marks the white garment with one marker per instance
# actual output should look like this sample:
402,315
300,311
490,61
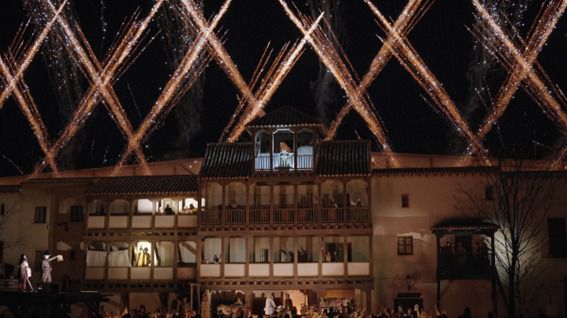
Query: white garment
96,258
118,258
46,271
270,307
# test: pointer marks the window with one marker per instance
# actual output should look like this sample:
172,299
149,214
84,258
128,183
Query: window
333,250
187,253
1,253
40,214
405,200
72,255
489,193
308,249
2,209
557,237
235,250
77,214
405,245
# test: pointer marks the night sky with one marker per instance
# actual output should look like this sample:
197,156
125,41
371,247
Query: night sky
440,37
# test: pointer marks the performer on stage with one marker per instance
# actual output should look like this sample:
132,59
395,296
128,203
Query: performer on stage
25,274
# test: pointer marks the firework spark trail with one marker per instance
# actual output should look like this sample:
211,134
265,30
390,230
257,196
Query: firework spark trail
326,51
403,25
258,71
219,53
522,69
280,72
415,65
171,90
29,55
30,111
103,80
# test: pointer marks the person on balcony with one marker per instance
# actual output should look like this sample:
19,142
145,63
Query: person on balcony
168,210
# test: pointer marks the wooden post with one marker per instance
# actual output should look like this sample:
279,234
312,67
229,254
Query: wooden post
493,293
437,239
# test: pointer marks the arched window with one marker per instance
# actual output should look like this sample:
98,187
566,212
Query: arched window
283,149
262,149
305,142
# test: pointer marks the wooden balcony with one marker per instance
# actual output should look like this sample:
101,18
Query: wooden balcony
142,221
265,215
140,273
257,270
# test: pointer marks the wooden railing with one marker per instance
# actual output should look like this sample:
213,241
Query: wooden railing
265,215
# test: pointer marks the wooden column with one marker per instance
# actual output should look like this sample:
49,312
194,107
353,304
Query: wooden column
493,294
437,240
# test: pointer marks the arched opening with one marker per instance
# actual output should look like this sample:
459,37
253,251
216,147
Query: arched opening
305,143
283,149
262,150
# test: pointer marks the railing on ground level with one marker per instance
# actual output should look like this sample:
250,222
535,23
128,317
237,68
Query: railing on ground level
265,215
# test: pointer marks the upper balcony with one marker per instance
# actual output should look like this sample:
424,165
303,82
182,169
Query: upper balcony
143,202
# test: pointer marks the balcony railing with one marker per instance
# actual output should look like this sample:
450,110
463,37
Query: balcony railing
265,215
237,270
282,162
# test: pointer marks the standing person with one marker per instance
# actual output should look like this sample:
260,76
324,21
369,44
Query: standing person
25,274
46,269
270,306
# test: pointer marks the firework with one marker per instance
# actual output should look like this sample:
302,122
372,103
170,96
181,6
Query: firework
272,82
101,83
521,66
171,92
335,62
413,11
29,55
415,65
30,111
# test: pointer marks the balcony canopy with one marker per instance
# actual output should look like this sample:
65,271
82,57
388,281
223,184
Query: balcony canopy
286,116
465,225
141,186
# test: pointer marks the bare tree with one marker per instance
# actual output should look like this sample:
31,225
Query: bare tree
518,201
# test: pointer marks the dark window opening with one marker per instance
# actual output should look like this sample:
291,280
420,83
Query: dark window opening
77,213
489,193
557,237
405,200
40,215
2,209
405,245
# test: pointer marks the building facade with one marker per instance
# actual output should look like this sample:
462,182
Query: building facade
328,222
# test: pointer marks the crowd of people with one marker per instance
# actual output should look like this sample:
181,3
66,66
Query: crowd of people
141,312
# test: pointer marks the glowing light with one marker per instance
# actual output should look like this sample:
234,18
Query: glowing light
413,11
171,90
414,64
336,64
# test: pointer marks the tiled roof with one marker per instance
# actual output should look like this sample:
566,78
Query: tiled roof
144,185
285,116
9,188
228,161
343,158
465,225
433,171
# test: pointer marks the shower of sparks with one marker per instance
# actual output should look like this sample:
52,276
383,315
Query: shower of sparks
521,68
31,112
414,64
29,55
171,92
101,78
409,17
270,83
336,63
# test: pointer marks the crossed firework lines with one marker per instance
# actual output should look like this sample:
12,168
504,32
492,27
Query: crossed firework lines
515,54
